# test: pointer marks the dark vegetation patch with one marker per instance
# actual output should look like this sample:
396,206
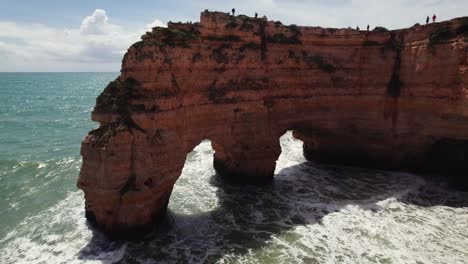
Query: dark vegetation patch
147,43
283,39
217,92
217,96
115,99
141,56
319,61
171,37
233,38
294,29
250,46
232,24
175,37
247,26
219,55
440,34
106,132
380,29
416,25
167,93
280,38
463,28
370,43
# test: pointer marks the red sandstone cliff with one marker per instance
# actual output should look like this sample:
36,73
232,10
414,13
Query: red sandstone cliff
395,99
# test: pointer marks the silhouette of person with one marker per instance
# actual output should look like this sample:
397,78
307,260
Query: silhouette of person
357,28
427,20
233,11
434,18
368,28
256,15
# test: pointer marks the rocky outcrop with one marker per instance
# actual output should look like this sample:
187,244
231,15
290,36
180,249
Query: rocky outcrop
392,99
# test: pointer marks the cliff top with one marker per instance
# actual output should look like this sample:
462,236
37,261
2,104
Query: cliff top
225,27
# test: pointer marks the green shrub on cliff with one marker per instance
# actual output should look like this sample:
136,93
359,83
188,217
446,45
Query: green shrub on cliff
439,35
280,38
233,38
115,99
294,29
318,61
250,45
380,29
176,37
247,26
463,28
219,55
167,37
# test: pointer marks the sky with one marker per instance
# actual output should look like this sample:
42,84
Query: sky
93,35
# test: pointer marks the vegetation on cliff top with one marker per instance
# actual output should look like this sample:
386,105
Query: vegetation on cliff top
380,29
281,38
171,37
444,33
115,100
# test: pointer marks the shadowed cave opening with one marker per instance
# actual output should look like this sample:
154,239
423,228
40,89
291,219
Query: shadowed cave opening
186,197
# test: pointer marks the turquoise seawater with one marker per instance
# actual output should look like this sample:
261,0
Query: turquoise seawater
43,118
312,213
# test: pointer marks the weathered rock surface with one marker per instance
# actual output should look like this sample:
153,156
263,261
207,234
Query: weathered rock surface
392,99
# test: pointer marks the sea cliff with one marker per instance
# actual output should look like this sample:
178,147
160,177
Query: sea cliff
390,99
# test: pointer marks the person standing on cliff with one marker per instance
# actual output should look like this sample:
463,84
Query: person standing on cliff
357,28
256,15
233,12
368,27
427,20
434,18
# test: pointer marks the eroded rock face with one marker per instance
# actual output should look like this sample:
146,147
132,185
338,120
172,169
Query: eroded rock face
394,99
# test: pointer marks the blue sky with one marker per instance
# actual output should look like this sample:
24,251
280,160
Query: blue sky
86,35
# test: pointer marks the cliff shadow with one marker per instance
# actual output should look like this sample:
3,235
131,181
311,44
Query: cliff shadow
249,218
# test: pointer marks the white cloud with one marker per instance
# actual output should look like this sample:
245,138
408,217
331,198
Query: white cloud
98,43
97,24
96,46
155,23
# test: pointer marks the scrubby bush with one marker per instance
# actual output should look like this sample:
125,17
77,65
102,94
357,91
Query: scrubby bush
439,35
250,45
282,39
233,38
380,29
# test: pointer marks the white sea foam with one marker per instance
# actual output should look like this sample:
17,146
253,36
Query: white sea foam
311,214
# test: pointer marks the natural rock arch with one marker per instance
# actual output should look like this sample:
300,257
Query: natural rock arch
394,99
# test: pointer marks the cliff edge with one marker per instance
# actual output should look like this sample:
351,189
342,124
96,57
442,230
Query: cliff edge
392,99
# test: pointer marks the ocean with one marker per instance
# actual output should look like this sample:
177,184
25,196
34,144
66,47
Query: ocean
312,213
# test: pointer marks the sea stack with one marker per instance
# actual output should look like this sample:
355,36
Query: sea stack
390,99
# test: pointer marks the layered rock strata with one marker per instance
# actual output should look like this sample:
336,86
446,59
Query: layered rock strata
392,99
